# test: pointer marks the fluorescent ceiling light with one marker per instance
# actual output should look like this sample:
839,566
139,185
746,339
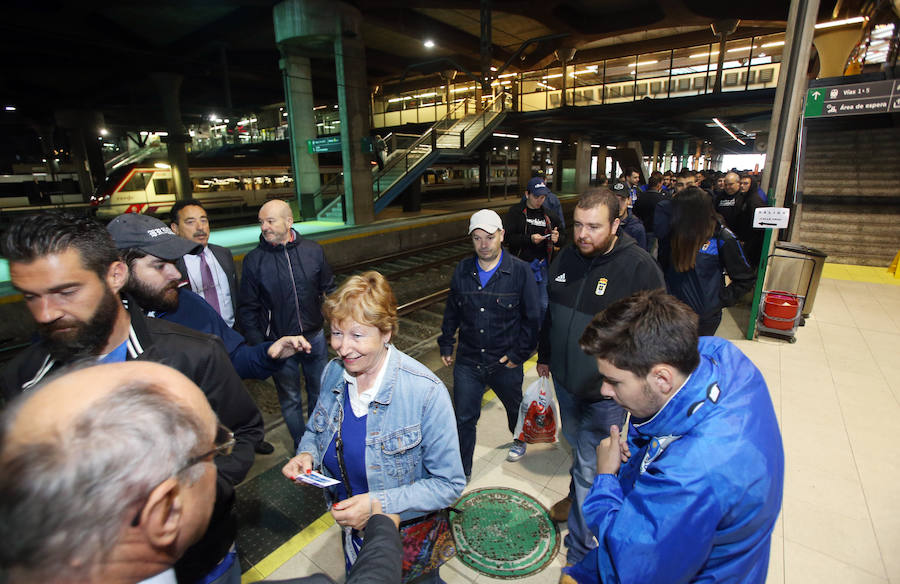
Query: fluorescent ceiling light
429,44
729,132
842,22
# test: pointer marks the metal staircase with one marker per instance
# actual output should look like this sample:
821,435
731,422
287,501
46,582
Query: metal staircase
450,138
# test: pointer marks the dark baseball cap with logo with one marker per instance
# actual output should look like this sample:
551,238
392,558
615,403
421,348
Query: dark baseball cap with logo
537,186
151,236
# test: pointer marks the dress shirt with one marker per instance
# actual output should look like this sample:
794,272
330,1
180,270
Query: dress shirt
192,265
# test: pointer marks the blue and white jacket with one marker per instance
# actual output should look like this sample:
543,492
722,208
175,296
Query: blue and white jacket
413,465
698,498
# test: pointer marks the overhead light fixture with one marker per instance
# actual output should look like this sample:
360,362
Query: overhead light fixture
772,44
554,76
729,132
10,108
429,44
544,85
162,166
842,22
104,131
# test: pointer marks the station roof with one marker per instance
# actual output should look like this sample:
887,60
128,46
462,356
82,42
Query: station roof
99,55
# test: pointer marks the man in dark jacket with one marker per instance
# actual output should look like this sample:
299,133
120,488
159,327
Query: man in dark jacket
585,278
628,223
283,282
131,525
70,276
494,304
532,231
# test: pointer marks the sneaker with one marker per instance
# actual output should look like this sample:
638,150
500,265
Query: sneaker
516,451
560,510
263,447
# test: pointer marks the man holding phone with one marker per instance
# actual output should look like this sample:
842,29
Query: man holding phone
532,231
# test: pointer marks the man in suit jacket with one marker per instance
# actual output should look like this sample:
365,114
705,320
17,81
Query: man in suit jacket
218,287
132,525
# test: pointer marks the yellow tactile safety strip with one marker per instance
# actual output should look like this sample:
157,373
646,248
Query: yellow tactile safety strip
293,546
288,550
872,275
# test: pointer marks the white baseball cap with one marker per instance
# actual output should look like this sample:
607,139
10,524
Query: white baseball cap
487,220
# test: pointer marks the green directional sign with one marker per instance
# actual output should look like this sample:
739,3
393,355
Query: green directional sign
321,145
815,99
873,97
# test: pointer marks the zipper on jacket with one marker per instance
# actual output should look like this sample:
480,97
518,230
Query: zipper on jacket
287,257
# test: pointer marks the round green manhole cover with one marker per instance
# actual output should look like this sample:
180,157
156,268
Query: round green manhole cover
504,533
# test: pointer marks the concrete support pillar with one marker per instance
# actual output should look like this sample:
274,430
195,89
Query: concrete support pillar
654,163
301,26
298,94
834,46
353,104
526,149
412,197
169,87
601,161
582,163
556,161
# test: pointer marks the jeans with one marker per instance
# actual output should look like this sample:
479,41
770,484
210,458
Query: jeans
584,425
543,297
287,382
469,384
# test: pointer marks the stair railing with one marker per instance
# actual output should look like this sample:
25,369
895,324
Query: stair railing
492,107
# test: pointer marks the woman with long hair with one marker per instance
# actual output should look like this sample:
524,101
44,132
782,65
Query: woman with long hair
702,251
383,425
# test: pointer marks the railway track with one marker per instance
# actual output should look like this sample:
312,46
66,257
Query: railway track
421,282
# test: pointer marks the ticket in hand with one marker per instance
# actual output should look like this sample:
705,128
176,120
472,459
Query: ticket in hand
316,479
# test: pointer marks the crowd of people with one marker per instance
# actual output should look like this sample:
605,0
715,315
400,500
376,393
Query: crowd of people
128,426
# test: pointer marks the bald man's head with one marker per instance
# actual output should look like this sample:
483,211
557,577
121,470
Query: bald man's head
100,458
732,183
275,221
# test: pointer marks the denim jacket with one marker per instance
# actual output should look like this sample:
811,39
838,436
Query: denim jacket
502,318
413,464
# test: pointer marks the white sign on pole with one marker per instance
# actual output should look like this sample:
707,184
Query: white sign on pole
771,217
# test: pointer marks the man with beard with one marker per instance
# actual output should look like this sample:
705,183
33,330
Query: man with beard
70,276
210,272
585,278
150,250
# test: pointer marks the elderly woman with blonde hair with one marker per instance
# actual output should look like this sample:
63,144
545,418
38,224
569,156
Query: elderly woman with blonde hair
383,425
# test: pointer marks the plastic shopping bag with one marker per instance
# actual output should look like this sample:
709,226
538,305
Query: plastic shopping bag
538,414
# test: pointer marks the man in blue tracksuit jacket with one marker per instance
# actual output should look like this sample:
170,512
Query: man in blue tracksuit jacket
701,486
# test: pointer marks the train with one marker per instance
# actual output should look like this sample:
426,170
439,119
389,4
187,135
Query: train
149,188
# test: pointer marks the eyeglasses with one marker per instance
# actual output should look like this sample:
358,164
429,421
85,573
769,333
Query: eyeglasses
223,446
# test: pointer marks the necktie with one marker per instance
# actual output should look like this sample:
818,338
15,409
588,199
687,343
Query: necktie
209,285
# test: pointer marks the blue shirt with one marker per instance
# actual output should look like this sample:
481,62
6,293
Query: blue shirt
485,276
353,437
117,355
